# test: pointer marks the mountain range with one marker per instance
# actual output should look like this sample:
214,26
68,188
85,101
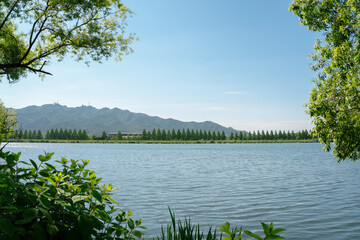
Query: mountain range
94,121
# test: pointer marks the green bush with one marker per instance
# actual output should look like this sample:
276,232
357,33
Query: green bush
38,201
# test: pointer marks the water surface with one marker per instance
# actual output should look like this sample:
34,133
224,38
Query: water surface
296,185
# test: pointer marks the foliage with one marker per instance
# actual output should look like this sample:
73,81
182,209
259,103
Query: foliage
189,231
186,230
88,29
7,122
334,101
39,201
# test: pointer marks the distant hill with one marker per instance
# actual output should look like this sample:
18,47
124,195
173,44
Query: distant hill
94,120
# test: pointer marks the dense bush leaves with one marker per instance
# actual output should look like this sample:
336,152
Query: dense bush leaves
39,201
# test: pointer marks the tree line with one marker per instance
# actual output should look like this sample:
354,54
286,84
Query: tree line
163,135
188,135
52,134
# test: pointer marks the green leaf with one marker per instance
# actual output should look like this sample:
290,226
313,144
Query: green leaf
86,225
274,237
22,221
253,235
51,181
46,214
30,213
52,229
45,202
39,232
34,164
226,238
50,166
20,231
225,228
137,234
42,158
265,228
276,231
96,195
112,200
78,198
131,224
6,226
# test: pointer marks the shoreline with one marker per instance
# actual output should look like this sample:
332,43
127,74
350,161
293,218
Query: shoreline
160,141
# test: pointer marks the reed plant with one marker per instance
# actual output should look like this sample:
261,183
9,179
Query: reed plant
187,231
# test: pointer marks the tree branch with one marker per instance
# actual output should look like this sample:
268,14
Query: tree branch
19,65
8,15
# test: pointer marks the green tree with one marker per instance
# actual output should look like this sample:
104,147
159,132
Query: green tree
143,135
335,99
104,135
47,134
249,136
168,135
209,135
163,134
193,135
66,134
223,136
153,134
205,135
158,134
254,135
178,134
173,134
183,134
213,135
21,134
201,134
288,135
61,134
25,135
236,137
39,135
187,135
119,135
231,137
33,134
241,135
88,30
30,134
84,134
7,121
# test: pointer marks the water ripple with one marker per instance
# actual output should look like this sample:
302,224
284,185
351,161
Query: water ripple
297,186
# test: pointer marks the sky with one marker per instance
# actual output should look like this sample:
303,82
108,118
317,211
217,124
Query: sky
242,64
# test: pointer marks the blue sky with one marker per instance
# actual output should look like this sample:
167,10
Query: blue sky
242,64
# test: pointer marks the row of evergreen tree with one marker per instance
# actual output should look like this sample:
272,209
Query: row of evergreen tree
51,134
182,135
164,135
271,135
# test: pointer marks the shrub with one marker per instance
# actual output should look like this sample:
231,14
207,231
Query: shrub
38,201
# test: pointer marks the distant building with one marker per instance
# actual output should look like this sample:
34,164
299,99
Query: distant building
114,134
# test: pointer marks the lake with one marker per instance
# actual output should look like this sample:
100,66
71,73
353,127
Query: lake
296,185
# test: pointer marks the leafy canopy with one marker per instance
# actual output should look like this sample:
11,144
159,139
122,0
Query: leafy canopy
334,103
31,32
7,122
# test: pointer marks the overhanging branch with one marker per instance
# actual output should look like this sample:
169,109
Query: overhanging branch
18,65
